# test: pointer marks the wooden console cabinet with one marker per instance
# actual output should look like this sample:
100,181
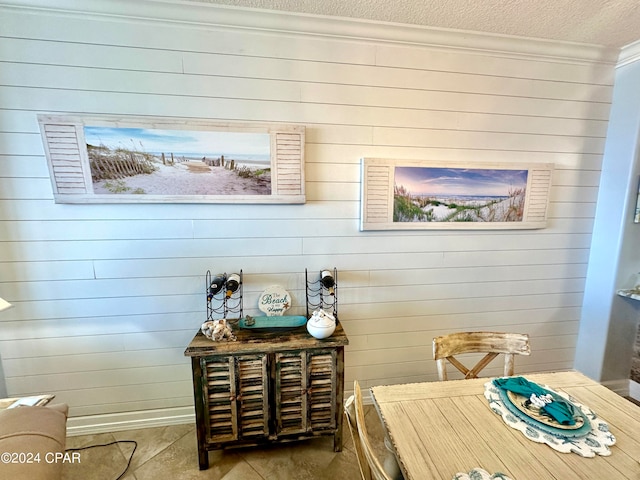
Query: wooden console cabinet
267,387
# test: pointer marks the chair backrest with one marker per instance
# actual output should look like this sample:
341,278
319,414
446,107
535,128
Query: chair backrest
370,466
491,343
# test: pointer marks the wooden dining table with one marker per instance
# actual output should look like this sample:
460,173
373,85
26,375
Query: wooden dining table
439,429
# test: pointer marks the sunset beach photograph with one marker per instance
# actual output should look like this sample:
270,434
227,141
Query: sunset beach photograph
430,194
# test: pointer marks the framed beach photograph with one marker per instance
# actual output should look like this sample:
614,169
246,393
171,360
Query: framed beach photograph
148,160
405,195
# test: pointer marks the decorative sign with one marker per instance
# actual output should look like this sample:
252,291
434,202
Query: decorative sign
274,301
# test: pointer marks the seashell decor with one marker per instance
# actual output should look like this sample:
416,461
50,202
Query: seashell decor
321,324
218,330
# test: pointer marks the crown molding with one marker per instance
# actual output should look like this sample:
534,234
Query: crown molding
222,16
629,54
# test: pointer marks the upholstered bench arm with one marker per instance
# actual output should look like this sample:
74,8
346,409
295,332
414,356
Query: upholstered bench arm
30,438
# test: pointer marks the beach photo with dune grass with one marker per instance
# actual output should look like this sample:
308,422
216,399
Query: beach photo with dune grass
144,161
429,194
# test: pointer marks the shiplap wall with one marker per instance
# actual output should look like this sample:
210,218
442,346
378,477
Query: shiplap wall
108,296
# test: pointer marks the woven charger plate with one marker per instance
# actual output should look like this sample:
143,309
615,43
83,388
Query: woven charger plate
537,414
515,404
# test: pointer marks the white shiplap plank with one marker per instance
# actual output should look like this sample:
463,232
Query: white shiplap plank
418,79
108,377
392,340
398,284
122,397
26,348
86,54
20,272
78,326
395,126
461,304
468,291
144,35
123,80
103,288
488,140
504,320
491,273
118,251
486,63
36,210
378,261
25,188
448,242
21,144
44,347
91,362
99,230
453,101
99,307
326,152
23,166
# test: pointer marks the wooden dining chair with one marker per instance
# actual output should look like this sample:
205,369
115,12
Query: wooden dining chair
370,466
491,343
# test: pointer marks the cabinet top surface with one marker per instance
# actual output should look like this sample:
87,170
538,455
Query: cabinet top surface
252,341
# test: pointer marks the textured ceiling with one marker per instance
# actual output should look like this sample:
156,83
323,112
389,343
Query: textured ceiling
611,23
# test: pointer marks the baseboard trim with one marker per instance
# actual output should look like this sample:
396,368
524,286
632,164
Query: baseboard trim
116,422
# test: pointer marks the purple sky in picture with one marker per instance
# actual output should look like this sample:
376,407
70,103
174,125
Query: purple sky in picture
459,181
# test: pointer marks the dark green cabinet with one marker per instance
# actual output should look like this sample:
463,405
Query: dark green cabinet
267,387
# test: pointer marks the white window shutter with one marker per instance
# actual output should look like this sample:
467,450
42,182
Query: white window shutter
288,178
66,150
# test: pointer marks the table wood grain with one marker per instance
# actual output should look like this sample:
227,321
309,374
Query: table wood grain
441,428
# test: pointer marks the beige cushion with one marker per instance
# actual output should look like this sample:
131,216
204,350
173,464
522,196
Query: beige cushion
33,434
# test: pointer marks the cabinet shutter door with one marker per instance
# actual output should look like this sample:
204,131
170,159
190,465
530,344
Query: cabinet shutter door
291,399
220,393
253,396
322,367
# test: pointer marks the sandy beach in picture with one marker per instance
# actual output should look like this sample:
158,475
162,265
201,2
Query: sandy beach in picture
190,177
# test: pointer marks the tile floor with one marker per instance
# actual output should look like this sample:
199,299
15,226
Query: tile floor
170,453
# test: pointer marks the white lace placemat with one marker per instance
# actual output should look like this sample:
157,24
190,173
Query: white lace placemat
596,442
480,474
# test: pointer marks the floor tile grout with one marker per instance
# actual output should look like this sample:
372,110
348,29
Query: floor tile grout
172,453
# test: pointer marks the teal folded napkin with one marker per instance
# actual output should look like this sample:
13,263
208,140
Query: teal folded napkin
560,410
